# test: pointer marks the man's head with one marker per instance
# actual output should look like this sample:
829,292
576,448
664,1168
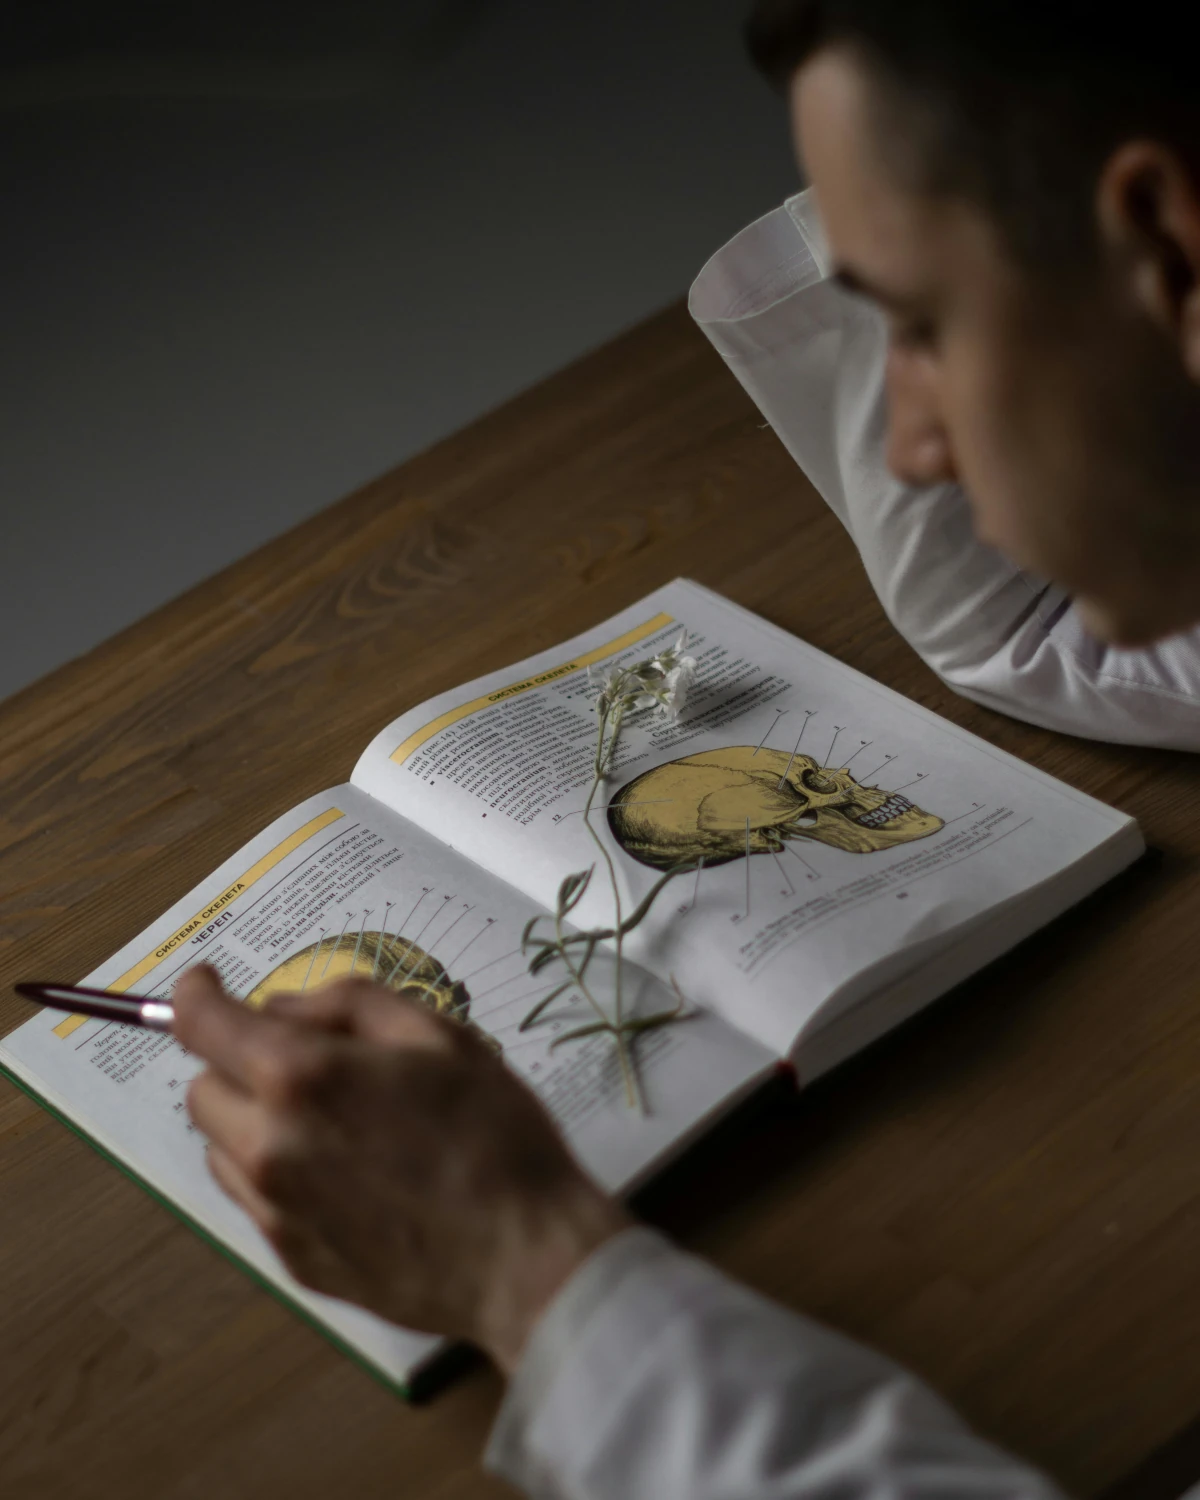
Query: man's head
1018,186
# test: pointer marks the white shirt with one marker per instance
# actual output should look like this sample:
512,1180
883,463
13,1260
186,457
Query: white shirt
652,1376
812,357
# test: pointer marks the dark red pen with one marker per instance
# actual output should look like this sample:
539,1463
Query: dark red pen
132,1010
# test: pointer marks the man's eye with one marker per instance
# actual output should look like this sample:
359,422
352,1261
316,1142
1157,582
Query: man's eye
914,334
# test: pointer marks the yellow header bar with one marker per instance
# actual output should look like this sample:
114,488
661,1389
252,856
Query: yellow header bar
210,910
601,653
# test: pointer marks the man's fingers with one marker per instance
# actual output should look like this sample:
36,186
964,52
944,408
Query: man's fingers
210,1023
330,1006
402,1020
308,1258
229,1118
233,1181
371,1011
198,985
257,1051
293,1242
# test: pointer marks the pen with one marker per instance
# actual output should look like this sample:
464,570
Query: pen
133,1010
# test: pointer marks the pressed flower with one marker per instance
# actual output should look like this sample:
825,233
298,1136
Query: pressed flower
662,683
678,686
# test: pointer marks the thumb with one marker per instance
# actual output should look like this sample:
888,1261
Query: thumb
372,1011
199,983
330,1007
402,1019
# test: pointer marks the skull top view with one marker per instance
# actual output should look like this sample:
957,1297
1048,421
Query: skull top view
383,957
702,805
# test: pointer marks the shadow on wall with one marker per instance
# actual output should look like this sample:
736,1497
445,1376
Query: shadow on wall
255,254
64,53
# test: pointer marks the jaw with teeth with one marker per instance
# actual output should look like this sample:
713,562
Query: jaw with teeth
887,813
871,820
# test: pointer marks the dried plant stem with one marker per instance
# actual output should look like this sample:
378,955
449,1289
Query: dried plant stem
610,714
603,757
633,1093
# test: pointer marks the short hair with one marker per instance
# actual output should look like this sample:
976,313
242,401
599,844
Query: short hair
1014,103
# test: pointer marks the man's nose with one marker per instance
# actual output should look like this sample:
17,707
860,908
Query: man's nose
918,447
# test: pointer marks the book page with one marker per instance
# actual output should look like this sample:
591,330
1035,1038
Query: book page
342,885
838,824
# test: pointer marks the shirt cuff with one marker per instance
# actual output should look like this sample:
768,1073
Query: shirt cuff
652,1375
572,1319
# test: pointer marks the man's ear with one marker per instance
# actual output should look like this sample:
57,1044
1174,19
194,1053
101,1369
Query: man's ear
1148,207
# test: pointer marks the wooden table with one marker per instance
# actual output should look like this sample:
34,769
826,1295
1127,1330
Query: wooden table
1006,1196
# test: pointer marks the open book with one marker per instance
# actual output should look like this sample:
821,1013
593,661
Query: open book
851,857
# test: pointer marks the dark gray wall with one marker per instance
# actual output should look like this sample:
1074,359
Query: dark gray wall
252,257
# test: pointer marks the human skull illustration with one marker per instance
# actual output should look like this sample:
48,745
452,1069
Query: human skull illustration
384,957
700,807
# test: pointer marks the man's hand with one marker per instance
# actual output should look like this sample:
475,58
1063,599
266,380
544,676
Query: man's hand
389,1158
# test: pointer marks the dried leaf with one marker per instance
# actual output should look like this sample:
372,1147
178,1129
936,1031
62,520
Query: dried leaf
641,911
591,935
659,1018
572,890
580,1031
543,1003
547,956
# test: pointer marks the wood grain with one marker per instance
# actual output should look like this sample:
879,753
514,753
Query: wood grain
1005,1196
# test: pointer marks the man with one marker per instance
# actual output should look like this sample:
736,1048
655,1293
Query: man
1030,224
1030,342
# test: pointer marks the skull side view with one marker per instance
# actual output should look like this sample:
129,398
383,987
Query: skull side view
386,958
698,807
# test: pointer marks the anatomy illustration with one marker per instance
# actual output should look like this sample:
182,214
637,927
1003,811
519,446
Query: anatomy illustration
384,957
722,804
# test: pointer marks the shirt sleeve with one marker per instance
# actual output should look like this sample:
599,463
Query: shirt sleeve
812,358
654,1377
